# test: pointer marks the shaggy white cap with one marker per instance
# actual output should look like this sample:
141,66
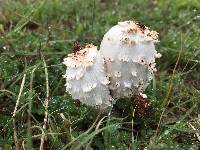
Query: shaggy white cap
86,79
129,51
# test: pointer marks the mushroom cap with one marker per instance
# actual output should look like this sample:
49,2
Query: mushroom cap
86,79
129,40
130,54
83,57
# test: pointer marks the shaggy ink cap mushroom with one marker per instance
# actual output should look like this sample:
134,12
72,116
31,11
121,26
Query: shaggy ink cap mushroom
129,51
86,78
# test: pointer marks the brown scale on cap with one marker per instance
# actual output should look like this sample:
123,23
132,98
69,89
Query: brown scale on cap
77,47
125,40
80,55
88,45
140,104
78,50
153,35
134,27
132,30
142,26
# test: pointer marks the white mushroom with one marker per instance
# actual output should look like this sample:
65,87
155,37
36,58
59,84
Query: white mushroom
86,79
129,51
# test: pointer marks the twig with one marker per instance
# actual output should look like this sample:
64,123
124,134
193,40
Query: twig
197,134
14,113
46,103
7,91
132,122
170,87
23,146
29,133
96,129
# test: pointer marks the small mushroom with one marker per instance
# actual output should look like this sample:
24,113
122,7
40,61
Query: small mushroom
86,78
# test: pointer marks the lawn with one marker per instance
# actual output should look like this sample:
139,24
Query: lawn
35,36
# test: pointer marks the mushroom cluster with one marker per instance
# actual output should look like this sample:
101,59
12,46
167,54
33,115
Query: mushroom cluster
123,67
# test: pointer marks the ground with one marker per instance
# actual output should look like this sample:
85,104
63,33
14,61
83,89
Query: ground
35,36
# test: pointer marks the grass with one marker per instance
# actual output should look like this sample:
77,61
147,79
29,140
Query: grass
35,33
